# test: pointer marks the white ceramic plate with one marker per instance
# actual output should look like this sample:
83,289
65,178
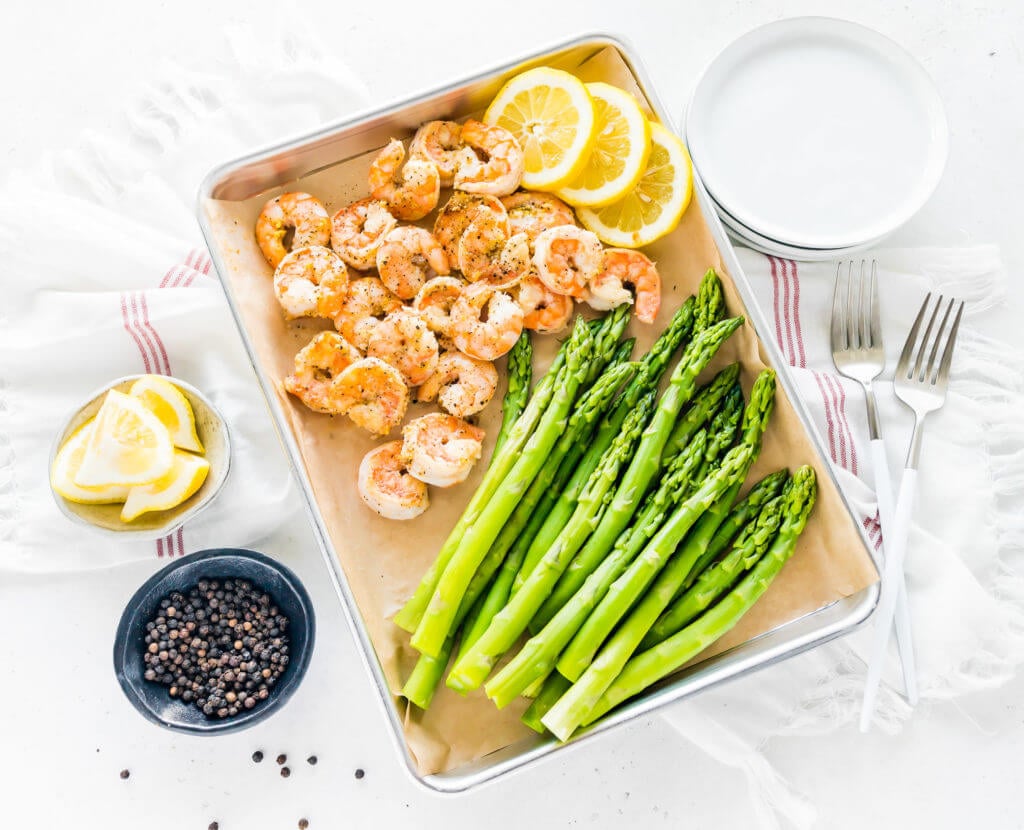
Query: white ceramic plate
744,235
818,133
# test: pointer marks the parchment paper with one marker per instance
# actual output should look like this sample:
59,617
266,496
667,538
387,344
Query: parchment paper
383,560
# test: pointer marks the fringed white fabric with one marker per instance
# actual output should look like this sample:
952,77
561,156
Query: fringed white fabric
966,596
126,288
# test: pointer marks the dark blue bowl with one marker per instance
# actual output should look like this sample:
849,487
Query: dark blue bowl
152,699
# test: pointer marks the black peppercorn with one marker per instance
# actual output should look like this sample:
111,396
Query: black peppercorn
230,659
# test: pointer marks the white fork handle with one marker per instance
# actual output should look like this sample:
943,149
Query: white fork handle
894,554
904,637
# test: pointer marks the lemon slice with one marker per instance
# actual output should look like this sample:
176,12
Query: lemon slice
655,205
619,154
128,445
169,404
551,114
65,466
187,474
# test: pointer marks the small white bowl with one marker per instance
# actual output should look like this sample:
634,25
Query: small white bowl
106,518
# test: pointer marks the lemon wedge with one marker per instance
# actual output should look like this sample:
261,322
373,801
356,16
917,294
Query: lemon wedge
619,153
169,404
65,467
128,445
655,205
551,113
187,474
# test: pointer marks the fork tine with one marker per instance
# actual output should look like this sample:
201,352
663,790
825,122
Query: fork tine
838,325
931,369
852,310
863,310
919,363
875,328
903,365
942,376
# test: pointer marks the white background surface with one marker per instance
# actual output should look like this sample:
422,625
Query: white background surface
66,730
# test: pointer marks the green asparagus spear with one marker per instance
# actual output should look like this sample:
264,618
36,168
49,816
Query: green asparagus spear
558,506
652,665
722,432
437,619
537,657
710,301
520,370
748,548
474,666
411,613
627,589
426,675
705,403
575,705
740,513
554,687
591,406
680,474
646,461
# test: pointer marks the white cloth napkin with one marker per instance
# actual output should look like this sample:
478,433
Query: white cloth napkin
104,275
965,598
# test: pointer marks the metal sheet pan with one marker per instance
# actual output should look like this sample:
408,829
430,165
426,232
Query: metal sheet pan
334,143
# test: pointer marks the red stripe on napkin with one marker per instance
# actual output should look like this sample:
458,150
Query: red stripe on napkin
830,421
128,321
776,296
165,363
801,355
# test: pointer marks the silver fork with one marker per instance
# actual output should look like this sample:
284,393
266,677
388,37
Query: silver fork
921,381
858,353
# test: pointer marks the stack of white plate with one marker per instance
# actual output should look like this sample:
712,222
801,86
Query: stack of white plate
815,137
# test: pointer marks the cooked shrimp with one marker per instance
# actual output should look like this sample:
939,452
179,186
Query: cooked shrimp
543,310
367,302
462,385
372,394
319,362
487,255
386,486
434,303
298,215
411,191
440,142
567,258
408,258
627,274
485,322
311,282
441,449
403,340
491,162
531,213
457,214
358,230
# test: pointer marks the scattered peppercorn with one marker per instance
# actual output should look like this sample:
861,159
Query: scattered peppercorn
285,772
303,823
282,758
359,773
124,774
257,756
192,646
311,760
